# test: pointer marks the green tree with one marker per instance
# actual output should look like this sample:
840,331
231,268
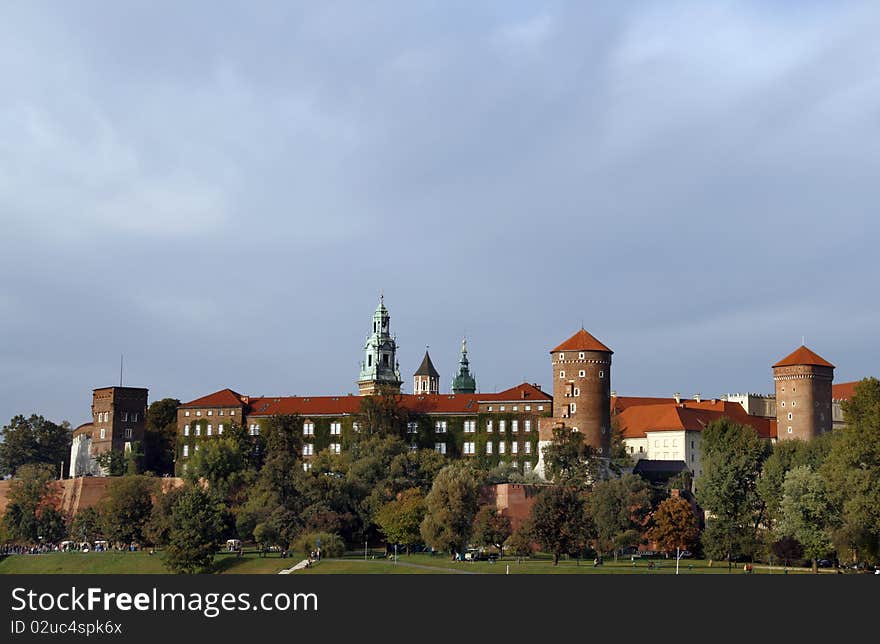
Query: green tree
620,458
519,544
196,529
51,525
568,460
852,473
127,508
804,512
160,436
330,545
732,456
383,413
618,508
29,494
785,456
491,528
559,522
221,464
400,519
113,462
450,508
33,440
674,525
86,526
158,528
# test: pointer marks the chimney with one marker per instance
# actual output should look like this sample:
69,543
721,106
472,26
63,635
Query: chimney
677,396
697,398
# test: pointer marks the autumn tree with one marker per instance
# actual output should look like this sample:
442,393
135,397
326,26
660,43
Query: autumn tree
674,525
31,493
400,519
559,522
491,528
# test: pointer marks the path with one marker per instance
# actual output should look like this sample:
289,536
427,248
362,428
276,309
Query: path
413,565
302,564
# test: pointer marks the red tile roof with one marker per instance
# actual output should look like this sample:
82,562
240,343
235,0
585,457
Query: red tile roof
803,356
636,420
582,341
222,398
525,391
844,390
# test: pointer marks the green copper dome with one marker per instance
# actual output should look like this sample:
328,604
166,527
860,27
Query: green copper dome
464,382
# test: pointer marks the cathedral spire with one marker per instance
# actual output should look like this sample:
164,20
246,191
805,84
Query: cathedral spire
379,367
464,382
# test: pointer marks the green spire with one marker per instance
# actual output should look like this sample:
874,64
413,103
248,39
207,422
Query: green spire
464,382
379,366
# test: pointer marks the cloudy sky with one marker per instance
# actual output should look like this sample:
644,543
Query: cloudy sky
220,191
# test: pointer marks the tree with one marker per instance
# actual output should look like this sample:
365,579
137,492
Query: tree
805,511
559,521
30,493
383,413
113,462
33,440
519,544
618,508
491,528
732,456
160,436
852,473
400,519
787,455
196,529
158,527
86,526
220,463
568,460
674,525
450,508
51,525
127,508
620,458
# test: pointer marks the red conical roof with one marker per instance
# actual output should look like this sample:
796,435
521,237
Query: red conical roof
582,341
803,356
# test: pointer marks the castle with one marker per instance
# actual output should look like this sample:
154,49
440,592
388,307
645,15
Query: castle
510,426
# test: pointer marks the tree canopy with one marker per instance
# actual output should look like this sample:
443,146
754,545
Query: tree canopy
33,440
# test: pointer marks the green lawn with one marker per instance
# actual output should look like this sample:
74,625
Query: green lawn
252,563
131,563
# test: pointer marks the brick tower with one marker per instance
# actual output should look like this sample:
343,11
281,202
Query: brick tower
426,380
581,393
803,395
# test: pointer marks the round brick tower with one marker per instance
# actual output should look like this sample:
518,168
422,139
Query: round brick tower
582,389
803,395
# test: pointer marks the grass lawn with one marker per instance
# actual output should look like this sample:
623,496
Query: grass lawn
116,563
425,563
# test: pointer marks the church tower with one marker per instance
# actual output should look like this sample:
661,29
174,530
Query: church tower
803,395
379,367
464,382
426,380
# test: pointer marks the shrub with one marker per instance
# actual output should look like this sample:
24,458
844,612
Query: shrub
332,545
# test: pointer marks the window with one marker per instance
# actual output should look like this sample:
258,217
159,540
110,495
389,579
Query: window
232,412
514,425
186,430
356,426
527,448
489,408
335,429
220,428
440,426
501,408
793,403
335,448
540,407
488,448
252,430
789,430
308,449
514,448
440,448
220,413
470,426
577,392
665,442
527,425
125,416
692,444
789,415
489,426
515,408
562,374
411,428
501,448
528,408
198,430
307,467
186,413
208,432
581,355
561,357
469,448
198,413
656,443
186,450
308,429
674,440
783,403
210,413
603,429
572,407
128,432
413,448
501,425
582,373
601,374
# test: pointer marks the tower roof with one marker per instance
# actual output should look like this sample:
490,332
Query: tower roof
582,341
803,356
427,368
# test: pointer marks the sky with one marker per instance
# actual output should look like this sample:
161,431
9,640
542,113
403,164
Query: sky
220,191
